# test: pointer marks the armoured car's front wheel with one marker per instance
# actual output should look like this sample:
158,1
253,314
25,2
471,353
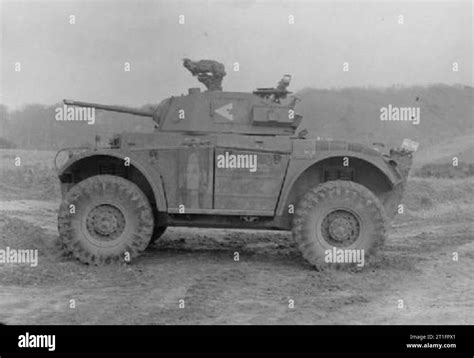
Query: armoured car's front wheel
105,219
339,222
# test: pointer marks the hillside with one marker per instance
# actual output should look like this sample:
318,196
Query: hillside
446,113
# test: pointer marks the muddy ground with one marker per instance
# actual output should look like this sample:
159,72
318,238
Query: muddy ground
197,266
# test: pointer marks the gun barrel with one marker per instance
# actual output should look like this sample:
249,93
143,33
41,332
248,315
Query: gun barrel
105,107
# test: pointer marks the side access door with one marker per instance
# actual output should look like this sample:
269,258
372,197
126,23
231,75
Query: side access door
249,173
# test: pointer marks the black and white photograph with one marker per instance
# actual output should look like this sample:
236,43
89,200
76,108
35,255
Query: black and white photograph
241,163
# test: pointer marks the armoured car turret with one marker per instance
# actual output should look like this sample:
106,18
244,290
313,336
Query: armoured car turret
230,160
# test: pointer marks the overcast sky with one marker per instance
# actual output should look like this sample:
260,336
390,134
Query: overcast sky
85,60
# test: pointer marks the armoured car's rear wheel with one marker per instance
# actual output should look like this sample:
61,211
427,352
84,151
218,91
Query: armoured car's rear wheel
105,219
338,215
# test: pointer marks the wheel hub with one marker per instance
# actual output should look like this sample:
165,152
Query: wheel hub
340,228
105,222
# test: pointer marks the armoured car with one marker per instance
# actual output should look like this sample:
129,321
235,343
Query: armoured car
227,160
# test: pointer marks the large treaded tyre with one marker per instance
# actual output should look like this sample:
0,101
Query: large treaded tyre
105,219
338,214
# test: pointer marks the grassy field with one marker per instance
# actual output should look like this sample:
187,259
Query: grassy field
432,198
28,174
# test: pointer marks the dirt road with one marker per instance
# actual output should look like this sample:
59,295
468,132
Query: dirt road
197,267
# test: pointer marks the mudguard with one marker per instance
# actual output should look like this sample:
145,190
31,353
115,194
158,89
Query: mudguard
151,175
307,153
